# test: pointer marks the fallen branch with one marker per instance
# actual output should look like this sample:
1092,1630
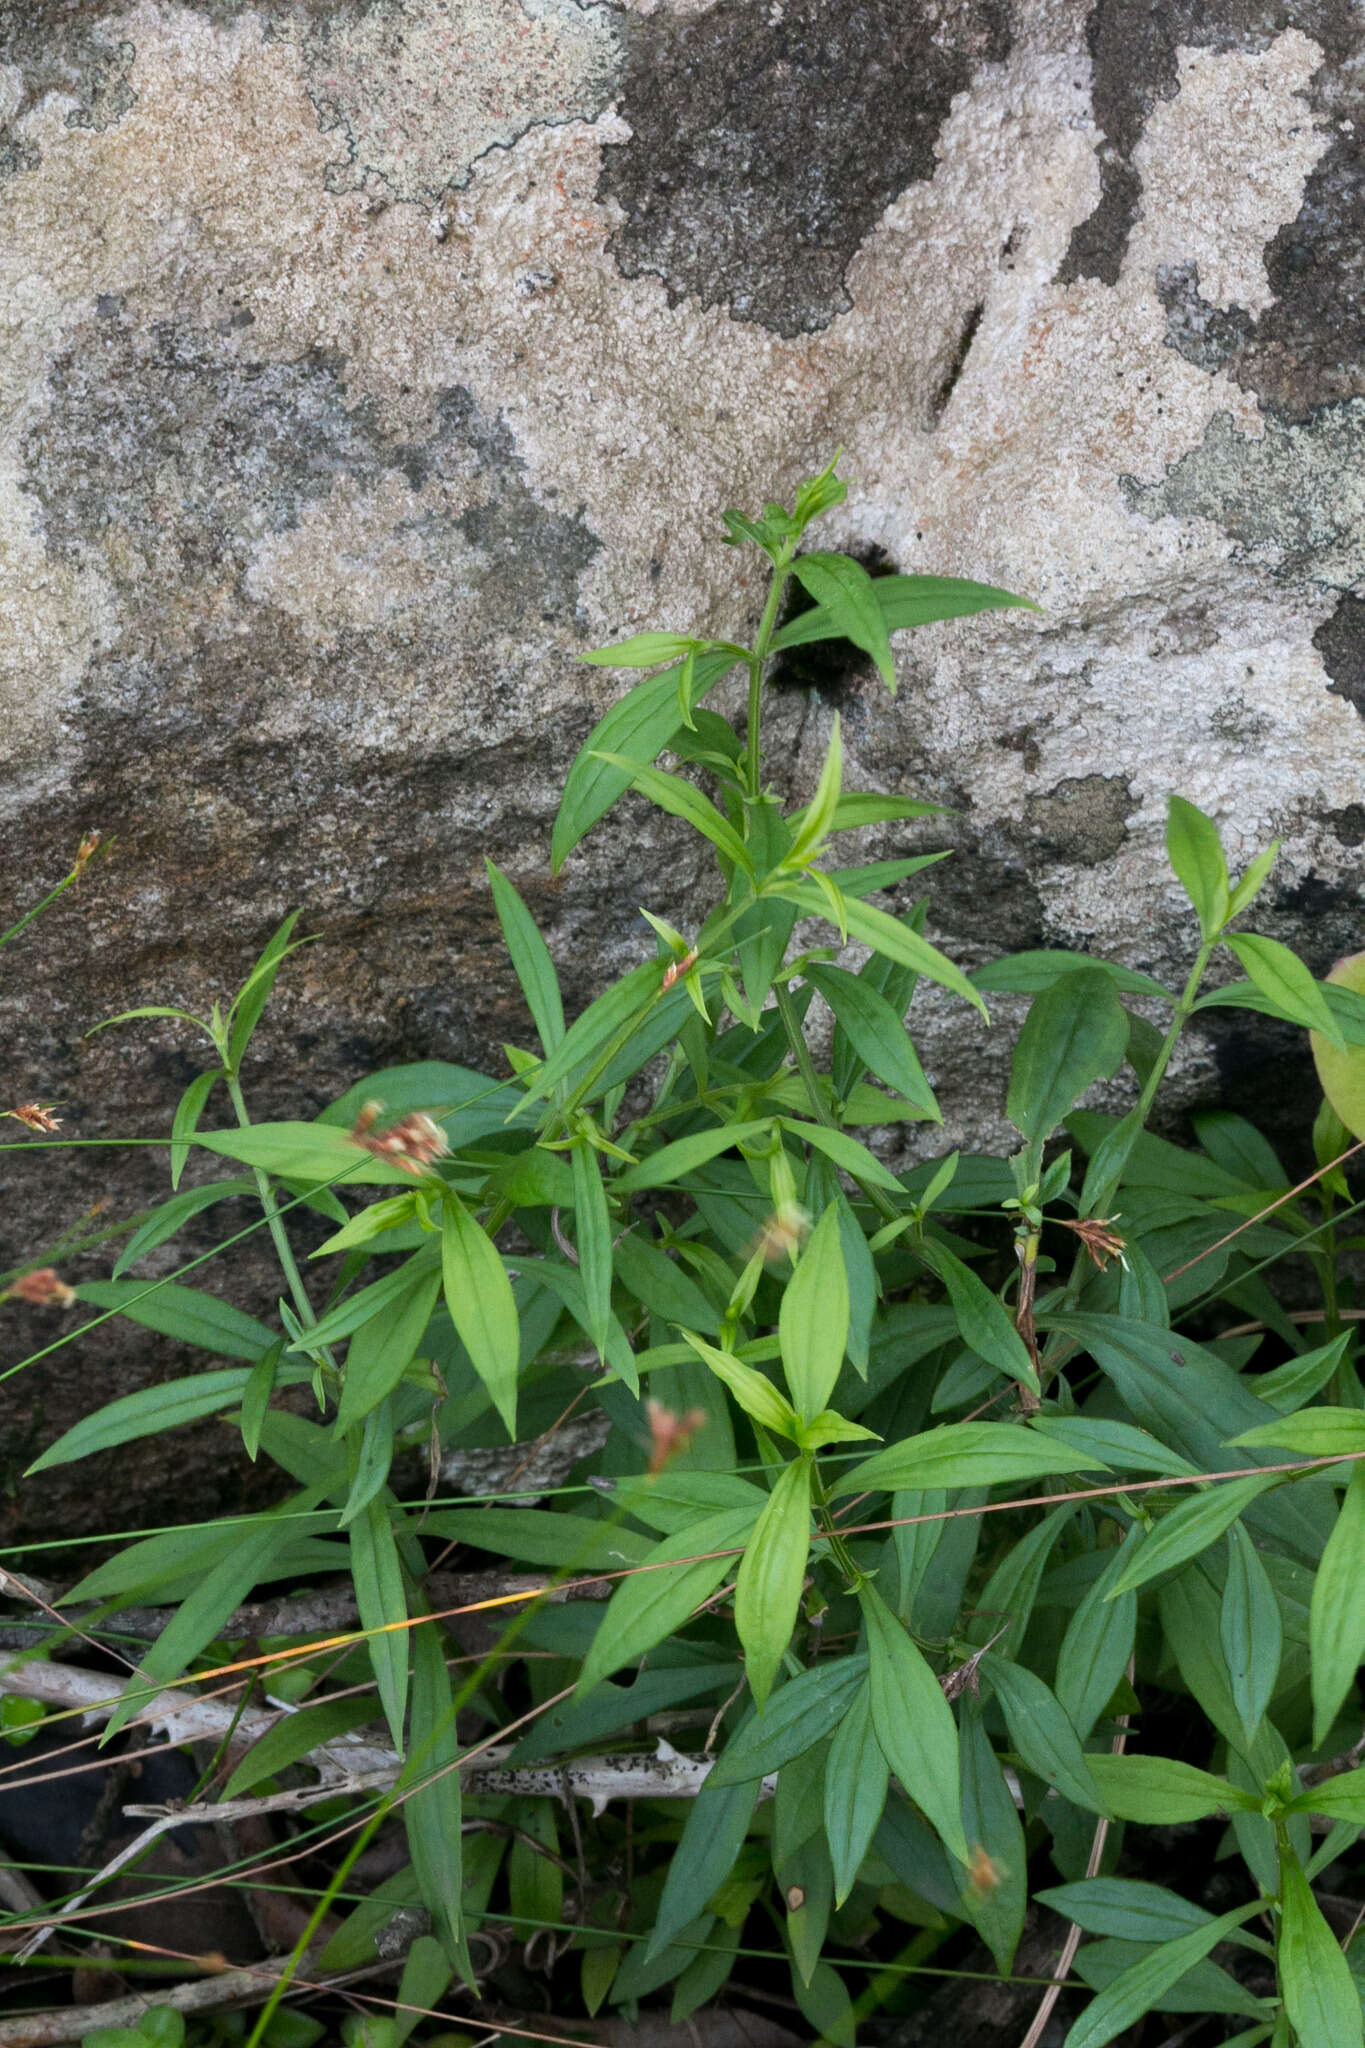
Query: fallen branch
321,1611
213,1993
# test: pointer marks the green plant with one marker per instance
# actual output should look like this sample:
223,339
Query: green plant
920,1500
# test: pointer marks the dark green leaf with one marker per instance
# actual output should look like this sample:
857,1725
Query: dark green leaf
856,1779
1096,1647
771,1574
530,957
1137,1989
185,1122
711,1840
1200,1520
813,1318
1045,1740
295,1736
382,1601
478,1295
152,1409
254,993
803,1712
964,1454
1337,1614
660,1598
982,1318
913,1722
1075,1034
637,728
173,1215
182,1312
1252,1631
1319,1991
432,1808
996,1897
383,1348
875,1032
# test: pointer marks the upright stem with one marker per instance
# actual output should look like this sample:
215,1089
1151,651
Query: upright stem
1178,1022
273,1217
791,1025
753,752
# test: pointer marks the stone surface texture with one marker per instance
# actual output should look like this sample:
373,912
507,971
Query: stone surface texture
362,362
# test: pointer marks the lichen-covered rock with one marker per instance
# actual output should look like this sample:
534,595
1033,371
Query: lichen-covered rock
364,361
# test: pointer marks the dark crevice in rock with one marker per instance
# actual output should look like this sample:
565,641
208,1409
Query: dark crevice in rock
764,149
938,404
834,669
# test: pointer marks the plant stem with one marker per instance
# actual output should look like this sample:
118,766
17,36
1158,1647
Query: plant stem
753,752
274,1220
1179,1020
791,1025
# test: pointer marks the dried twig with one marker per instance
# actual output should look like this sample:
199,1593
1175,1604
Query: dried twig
204,1994
1073,1938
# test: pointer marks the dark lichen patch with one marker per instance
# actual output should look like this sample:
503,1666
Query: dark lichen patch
1348,824
1294,353
1340,640
765,144
1204,335
166,456
987,894
1083,818
1291,496
72,47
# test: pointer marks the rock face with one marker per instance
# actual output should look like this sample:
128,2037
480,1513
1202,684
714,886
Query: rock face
364,361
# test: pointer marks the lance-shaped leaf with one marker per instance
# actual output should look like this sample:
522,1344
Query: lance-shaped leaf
1319,1991
914,1723
382,1601
1137,1989
681,800
482,1307
1336,1615
876,1034
1252,1630
813,1318
1075,1034
659,1598
592,1228
1196,855
965,1454
383,1348
756,1395
530,957
885,934
1187,1530
768,1588
845,590
182,1312
636,728
982,1317
1282,976
856,1779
